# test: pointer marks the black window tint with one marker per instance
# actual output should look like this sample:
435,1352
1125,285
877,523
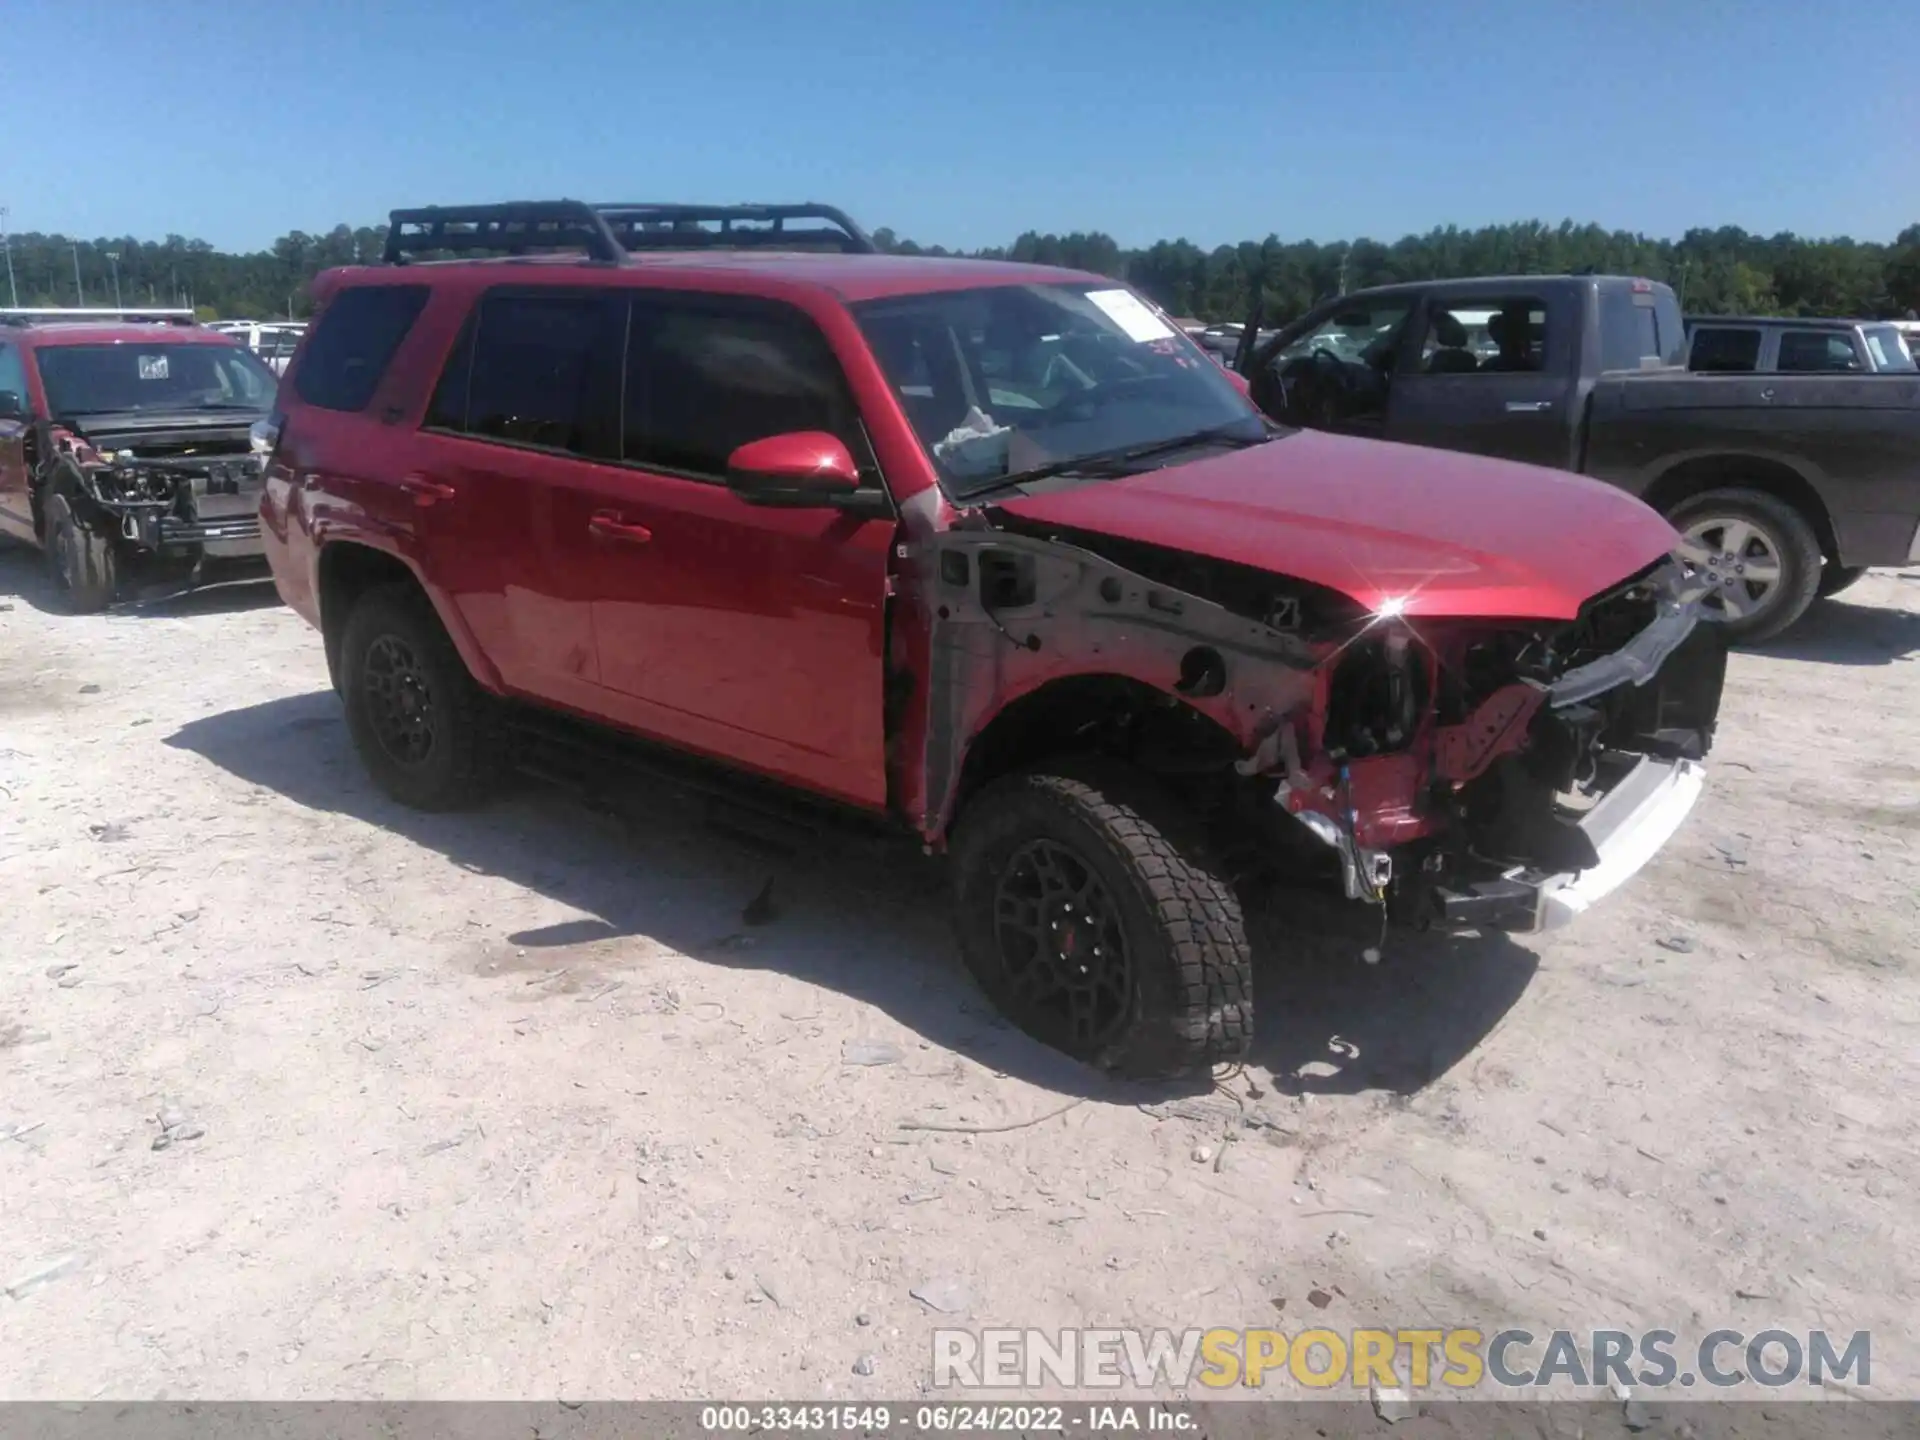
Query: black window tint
1722,350
353,341
706,376
546,372
448,408
1816,350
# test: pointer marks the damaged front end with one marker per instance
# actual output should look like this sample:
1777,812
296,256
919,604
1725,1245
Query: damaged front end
1508,777
1480,771
172,495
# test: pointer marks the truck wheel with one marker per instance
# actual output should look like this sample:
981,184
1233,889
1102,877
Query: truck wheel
1089,911
424,730
1763,559
80,562
1835,578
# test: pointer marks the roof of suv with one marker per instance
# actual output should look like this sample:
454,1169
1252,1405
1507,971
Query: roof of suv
1797,322
849,277
105,332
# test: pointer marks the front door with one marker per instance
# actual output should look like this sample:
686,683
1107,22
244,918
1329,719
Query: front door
750,633
1492,374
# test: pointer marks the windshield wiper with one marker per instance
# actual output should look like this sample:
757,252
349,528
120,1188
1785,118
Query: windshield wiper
1113,464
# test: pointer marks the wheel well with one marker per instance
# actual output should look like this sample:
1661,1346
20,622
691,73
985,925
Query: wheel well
348,571
1098,714
1785,484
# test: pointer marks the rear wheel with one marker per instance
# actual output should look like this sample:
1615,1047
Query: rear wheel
1760,557
1835,578
80,561
424,730
1091,913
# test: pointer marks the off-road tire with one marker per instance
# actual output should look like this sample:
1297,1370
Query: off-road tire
80,561
1835,578
1791,538
1190,966
462,765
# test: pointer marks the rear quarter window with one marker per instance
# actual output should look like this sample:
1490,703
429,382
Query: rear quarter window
353,342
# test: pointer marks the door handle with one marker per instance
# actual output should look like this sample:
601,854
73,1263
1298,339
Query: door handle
426,490
1528,407
607,525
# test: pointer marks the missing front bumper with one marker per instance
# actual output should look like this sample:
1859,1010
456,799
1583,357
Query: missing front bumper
1627,829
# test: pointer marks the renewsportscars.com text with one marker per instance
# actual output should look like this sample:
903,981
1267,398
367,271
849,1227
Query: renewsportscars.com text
1410,1359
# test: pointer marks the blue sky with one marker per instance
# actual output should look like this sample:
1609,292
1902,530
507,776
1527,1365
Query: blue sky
965,124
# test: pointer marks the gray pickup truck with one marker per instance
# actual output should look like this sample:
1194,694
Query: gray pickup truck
1788,484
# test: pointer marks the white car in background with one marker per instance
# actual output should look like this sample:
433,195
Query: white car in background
272,340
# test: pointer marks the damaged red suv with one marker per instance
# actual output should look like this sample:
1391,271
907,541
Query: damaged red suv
987,554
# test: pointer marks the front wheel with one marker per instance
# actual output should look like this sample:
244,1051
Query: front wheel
1091,913
1758,555
424,730
80,562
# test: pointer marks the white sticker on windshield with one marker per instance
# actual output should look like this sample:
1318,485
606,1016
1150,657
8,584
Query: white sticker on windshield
153,367
1123,307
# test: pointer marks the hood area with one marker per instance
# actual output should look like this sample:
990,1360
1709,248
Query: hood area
1429,532
155,435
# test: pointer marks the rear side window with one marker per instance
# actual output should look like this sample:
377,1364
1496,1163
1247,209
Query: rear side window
540,370
706,376
1724,349
353,343
1816,351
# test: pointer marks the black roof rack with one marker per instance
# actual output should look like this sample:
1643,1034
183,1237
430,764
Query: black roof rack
608,233
649,226
518,228
108,315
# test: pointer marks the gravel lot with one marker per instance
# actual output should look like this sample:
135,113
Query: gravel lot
514,1104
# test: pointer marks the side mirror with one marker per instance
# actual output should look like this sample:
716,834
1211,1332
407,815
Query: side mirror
806,469
12,407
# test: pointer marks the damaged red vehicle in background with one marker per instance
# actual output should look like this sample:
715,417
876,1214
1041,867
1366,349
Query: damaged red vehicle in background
985,553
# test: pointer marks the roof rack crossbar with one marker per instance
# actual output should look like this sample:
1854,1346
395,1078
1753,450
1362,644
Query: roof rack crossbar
518,228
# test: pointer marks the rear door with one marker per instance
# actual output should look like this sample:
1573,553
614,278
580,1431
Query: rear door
750,633
1517,399
16,508
522,434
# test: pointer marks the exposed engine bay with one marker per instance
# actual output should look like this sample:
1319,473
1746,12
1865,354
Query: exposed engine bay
1487,772
174,490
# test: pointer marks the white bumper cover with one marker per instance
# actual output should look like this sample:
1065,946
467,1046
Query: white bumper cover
1627,828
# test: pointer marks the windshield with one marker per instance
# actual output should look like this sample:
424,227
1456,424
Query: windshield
1888,348
101,379
1004,382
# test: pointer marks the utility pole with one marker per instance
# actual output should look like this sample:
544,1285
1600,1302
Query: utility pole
79,291
13,290
113,259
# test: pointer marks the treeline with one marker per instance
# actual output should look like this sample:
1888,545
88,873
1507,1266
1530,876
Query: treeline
1722,271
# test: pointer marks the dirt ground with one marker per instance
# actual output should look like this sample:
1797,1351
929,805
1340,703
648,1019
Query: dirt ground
514,1104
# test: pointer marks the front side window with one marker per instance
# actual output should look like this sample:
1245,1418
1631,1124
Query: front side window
135,375
1005,382
1818,351
1719,349
13,375
708,374
1357,333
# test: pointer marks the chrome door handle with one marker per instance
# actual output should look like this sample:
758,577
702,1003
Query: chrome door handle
1528,407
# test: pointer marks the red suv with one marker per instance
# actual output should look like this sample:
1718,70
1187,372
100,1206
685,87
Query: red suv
124,450
991,554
